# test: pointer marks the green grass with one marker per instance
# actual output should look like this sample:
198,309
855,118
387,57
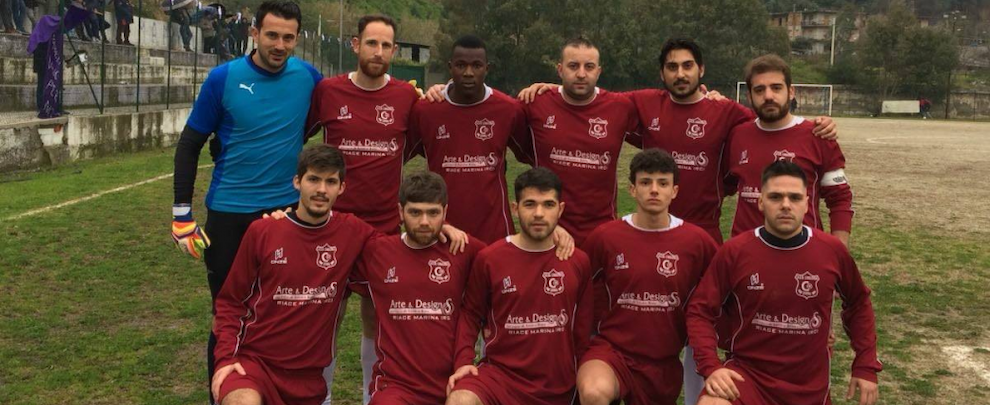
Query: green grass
99,308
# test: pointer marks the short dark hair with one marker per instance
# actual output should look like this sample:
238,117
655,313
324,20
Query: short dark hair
783,168
288,10
539,178
321,157
382,18
577,42
470,42
674,44
653,160
423,187
767,63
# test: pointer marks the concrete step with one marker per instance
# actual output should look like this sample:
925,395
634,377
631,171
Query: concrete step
22,97
15,46
20,71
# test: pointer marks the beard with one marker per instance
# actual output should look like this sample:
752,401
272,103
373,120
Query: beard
538,236
769,116
373,71
423,237
266,58
315,212
692,88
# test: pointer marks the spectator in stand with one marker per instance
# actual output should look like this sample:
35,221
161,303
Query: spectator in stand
125,17
17,11
6,15
207,24
239,31
31,13
181,16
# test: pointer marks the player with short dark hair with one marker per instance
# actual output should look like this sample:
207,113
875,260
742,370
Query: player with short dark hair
784,276
277,314
255,153
417,285
577,131
365,114
535,309
465,140
779,135
649,262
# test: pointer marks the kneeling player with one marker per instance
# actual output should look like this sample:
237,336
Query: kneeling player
276,316
783,276
649,262
536,309
416,285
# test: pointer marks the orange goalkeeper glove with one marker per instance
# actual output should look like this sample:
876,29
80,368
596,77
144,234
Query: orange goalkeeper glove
188,236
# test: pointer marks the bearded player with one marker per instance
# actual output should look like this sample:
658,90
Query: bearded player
780,135
784,276
649,262
417,285
365,114
278,311
535,309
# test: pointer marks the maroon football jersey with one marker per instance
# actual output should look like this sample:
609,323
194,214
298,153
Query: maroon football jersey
536,312
581,144
648,275
417,294
284,294
466,145
369,127
695,134
783,296
753,148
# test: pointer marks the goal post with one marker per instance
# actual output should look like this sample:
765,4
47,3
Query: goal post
812,99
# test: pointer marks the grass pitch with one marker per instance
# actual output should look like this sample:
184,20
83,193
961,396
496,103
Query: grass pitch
97,306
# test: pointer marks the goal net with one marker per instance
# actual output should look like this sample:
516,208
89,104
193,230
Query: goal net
813,100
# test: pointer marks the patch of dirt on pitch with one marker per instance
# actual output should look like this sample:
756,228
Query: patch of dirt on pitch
933,174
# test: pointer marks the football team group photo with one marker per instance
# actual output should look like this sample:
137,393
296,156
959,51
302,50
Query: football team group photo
478,284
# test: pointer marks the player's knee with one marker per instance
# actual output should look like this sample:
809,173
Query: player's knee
463,397
710,400
243,396
597,391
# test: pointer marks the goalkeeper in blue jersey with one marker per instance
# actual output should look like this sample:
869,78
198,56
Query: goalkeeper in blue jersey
255,107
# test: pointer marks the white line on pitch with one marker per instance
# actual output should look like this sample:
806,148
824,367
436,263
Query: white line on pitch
963,357
90,197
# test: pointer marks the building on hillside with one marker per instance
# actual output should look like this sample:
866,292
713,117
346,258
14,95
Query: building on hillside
418,53
811,28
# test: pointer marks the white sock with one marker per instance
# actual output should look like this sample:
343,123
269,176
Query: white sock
693,383
368,360
328,377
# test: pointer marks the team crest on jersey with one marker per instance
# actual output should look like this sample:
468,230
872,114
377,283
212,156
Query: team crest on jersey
696,128
807,285
598,128
326,256
667,264
484,129
553,282
442,132
385,114
439,271
655,124
754,283
550,122
744,157
784,155
344,114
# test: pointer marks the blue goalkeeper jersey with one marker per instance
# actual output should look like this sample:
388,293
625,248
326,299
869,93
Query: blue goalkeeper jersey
258,117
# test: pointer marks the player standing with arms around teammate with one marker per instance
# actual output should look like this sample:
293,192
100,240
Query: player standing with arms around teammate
535,309
256,152
417,286
649,262
277,314
365,114
780,135
783,276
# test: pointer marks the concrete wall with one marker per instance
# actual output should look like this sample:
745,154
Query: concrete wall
62,140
